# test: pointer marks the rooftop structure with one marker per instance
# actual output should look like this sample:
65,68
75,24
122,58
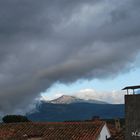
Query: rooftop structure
132,117
53,131
132,88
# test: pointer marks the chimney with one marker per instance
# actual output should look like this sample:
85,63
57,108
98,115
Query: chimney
117,124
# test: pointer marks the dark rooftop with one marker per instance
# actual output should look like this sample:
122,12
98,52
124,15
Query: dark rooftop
131,87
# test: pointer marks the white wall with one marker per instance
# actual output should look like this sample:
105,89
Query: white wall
104,132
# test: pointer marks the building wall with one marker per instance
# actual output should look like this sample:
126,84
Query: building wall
104,132
132,117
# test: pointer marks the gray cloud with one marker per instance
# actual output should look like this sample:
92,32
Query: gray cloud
43,42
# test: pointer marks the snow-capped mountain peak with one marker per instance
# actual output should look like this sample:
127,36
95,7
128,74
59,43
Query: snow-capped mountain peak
65,99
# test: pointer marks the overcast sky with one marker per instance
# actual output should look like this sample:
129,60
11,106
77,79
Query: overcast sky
49,41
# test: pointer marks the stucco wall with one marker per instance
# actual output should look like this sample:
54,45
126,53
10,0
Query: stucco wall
104,132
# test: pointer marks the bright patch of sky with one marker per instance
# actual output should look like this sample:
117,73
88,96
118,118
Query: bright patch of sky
105,86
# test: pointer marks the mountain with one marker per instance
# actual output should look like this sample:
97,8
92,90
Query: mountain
72,108
65,99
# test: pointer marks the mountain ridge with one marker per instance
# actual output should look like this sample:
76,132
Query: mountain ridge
66,99
75,111
66,108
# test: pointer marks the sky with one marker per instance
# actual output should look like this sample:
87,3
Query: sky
109,90
89,49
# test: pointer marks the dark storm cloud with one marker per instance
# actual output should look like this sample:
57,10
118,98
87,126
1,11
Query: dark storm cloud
42,42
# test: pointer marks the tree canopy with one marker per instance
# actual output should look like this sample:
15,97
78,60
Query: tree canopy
15,118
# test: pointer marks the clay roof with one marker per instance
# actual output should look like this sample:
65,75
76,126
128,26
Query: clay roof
51,131
115,134
118,136
112,129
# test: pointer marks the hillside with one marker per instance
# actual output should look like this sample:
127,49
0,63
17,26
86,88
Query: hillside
53,111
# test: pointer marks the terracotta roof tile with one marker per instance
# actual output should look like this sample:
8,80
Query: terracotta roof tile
115,135
52,131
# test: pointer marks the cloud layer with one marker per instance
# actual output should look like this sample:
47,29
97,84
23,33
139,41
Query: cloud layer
42,42
112,97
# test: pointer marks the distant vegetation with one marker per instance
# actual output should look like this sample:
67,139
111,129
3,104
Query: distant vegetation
14,119
76,111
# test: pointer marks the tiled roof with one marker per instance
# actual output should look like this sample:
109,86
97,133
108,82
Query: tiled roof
51,131
112,128
115,135
119,136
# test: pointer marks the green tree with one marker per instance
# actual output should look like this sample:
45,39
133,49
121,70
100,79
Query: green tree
15,118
